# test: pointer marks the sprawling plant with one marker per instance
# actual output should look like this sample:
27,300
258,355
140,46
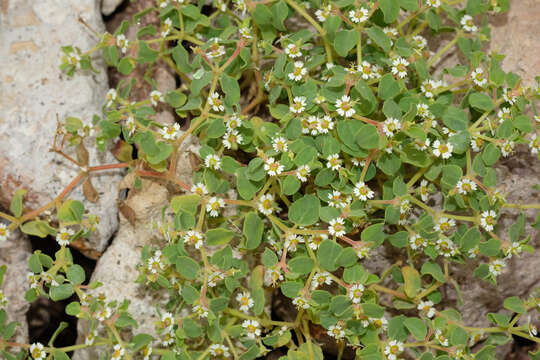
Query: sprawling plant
327,131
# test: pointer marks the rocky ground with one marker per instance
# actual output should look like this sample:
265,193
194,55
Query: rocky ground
34,93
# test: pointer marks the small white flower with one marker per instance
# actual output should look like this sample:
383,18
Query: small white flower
534,144
299,105
214,205
104,313
513,249
359,15
266,204
419,42
90,338
320,279
429,87
122,43
324,13
3,300
194,238
507,148
118,352
422,110
363,252
215,101
334,162
201,311
319,99
233,122
362,191
74,59
378,323
111,97
325,124
503,114
424,190
246,32
468,23
170,132
393,349
427,308
301,303
167,320
245,300
445,224
417,242
299,71
4,232
355,293
314,241
433,3
130,125
344,106
302,173
199,189
156,97
215,50
166,28
37,351
337,227
292,241
488,220
219,350
293,51
154,263
63,236
399,67
232,138
446,247
390,32
214,278
310,125
442,150
465,186
280,144
367,70
391,126
273,167
252,328
441,338
272,276
212,161
336,331
478,77
33,280
473,253
337,200
476,143
533,331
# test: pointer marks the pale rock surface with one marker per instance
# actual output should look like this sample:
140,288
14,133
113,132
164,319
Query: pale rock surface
108,6
34,91
116,269
14,253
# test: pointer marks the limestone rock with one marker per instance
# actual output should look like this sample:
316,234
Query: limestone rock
108,6
14,253
35,92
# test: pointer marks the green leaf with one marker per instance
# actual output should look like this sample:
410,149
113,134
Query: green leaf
379,37
139,341
16,206
71,211
291,288
181,58
481,101
146,53
413,283
231,89
126,65
253,230
219,236
455,118
269,258
451,175
327,254
290,185
305,211
514,304
523,123
187,267
390,9
388,87
73,308
187,203
434,270
367,137
417,328
491,154
38,228
373,233
301,265
61,292
345,41
76,274
60,355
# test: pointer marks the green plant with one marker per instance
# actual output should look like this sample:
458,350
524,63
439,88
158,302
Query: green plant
333,137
